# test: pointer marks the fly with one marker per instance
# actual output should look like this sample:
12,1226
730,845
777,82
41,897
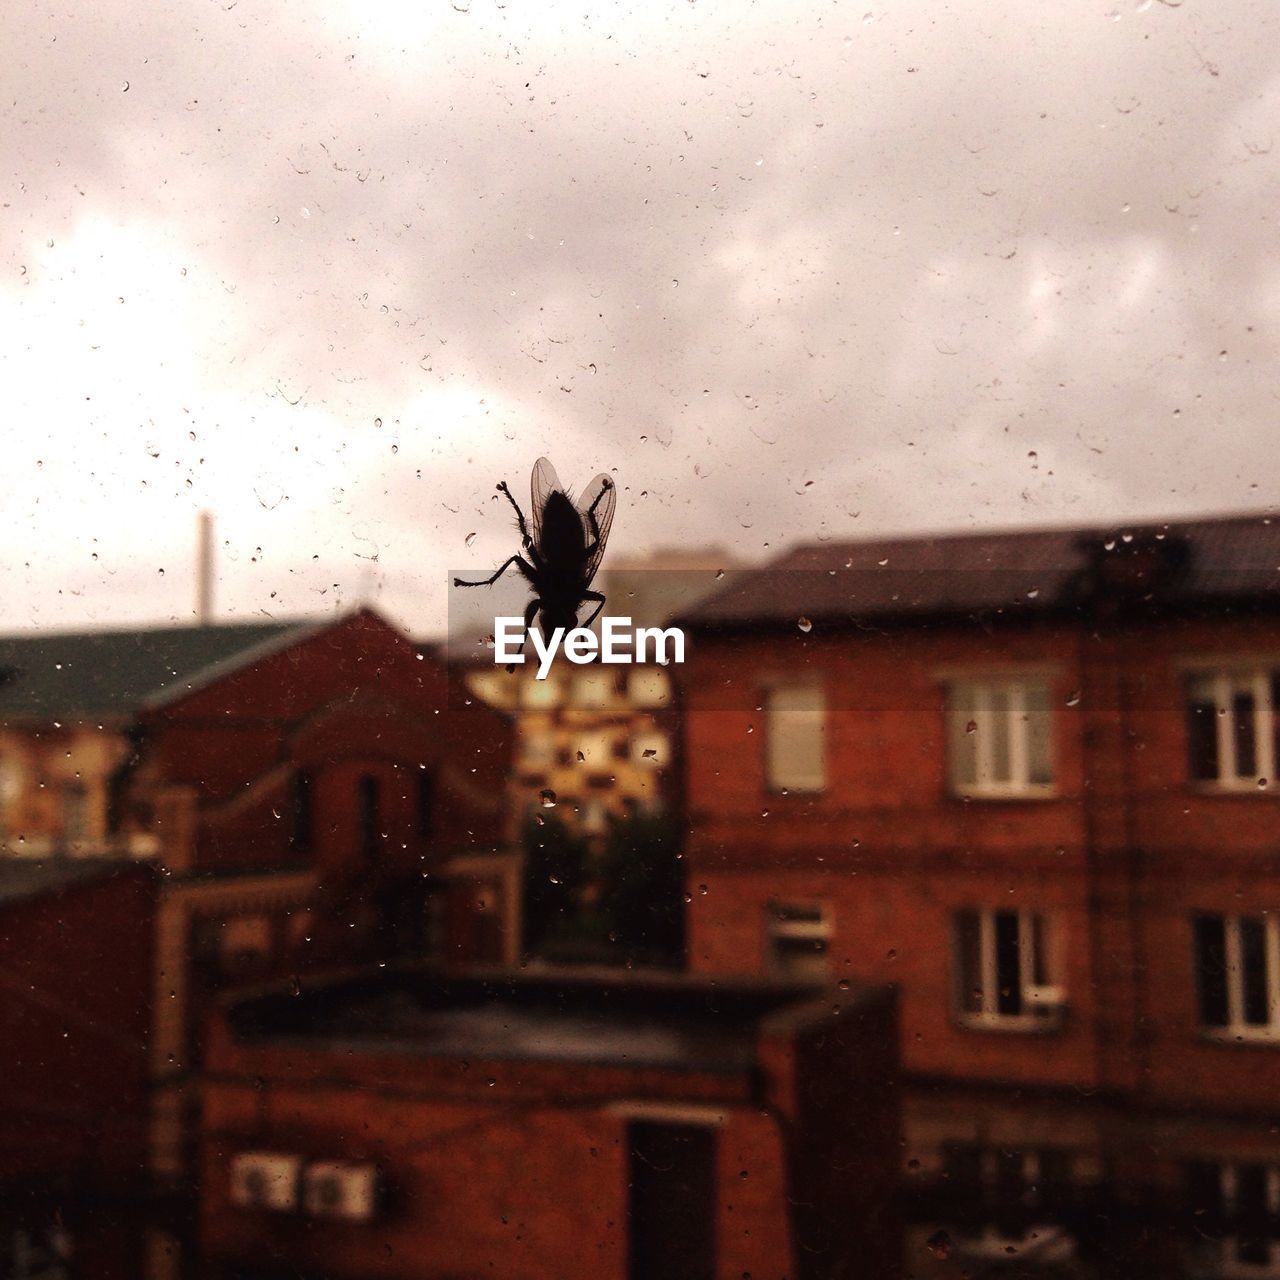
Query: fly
563,543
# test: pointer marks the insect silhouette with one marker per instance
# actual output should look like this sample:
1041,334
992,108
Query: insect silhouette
563,542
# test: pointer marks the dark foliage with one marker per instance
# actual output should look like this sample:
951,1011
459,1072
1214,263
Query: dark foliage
641,880
555,871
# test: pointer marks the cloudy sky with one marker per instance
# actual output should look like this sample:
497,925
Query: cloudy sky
791,271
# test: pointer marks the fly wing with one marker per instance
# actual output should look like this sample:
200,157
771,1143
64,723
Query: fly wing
545,482
601,493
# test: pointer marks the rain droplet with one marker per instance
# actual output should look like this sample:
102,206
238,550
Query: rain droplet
1073,698
548,798
469,539
804,624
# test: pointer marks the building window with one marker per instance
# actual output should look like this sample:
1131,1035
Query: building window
537,748
303,809
794,738
1233,728
799,939
75,811
999,1196
649,687
652,749
540,695
1001,738
592,689
1236,1207
1005,969
1238,975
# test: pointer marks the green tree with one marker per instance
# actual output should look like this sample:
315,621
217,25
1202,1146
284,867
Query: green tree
641,880
555,870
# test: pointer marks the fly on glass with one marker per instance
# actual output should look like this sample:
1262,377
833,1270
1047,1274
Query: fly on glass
563,543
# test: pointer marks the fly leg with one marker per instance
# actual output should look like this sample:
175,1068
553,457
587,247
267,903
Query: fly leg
595,613
519,561
591,520
525,539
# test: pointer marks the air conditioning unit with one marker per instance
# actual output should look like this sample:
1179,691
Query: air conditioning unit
265,1180
338,1189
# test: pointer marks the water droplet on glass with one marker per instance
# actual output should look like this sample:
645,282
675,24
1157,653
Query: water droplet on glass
471,537
1073,698
804,624
548,798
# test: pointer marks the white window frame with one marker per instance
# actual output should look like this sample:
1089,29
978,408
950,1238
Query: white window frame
1226,683
984,784
1237,1028
818,929
779,780
1042,1004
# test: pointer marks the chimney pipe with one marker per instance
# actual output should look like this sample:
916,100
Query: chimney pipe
204,569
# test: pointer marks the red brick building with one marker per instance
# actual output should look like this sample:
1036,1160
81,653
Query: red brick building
311,791
1031,778
75,1011
409,1124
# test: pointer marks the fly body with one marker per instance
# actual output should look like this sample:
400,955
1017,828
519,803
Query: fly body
563,543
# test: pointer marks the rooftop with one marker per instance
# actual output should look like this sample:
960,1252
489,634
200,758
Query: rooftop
109,674
1025,572
624,1018
24,878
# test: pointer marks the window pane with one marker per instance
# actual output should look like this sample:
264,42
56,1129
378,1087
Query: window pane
1204,1196
998,722
1039,734
969,949
1039,961
1008,969
964,738
794,738
1250,1214
1244,726
1211,970
1253,955
1202,731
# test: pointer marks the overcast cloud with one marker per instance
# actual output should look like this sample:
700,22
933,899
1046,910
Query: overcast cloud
333,275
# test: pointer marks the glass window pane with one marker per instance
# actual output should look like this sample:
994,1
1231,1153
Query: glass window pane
1008,967
1211,970
794,733
1001,744
1039,735
1244,727
1202,731
964,738
969,949
1253,978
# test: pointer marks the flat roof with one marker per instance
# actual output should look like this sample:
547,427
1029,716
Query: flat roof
629,1019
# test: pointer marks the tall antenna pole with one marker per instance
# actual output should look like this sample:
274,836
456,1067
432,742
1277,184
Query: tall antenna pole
204,569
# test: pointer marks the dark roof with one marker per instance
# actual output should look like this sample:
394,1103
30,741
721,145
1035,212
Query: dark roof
77,675
632,1019
23,878
1180,564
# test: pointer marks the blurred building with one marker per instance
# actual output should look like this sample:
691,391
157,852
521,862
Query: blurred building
311,792
408,1124
76,965
603,739
1031,779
